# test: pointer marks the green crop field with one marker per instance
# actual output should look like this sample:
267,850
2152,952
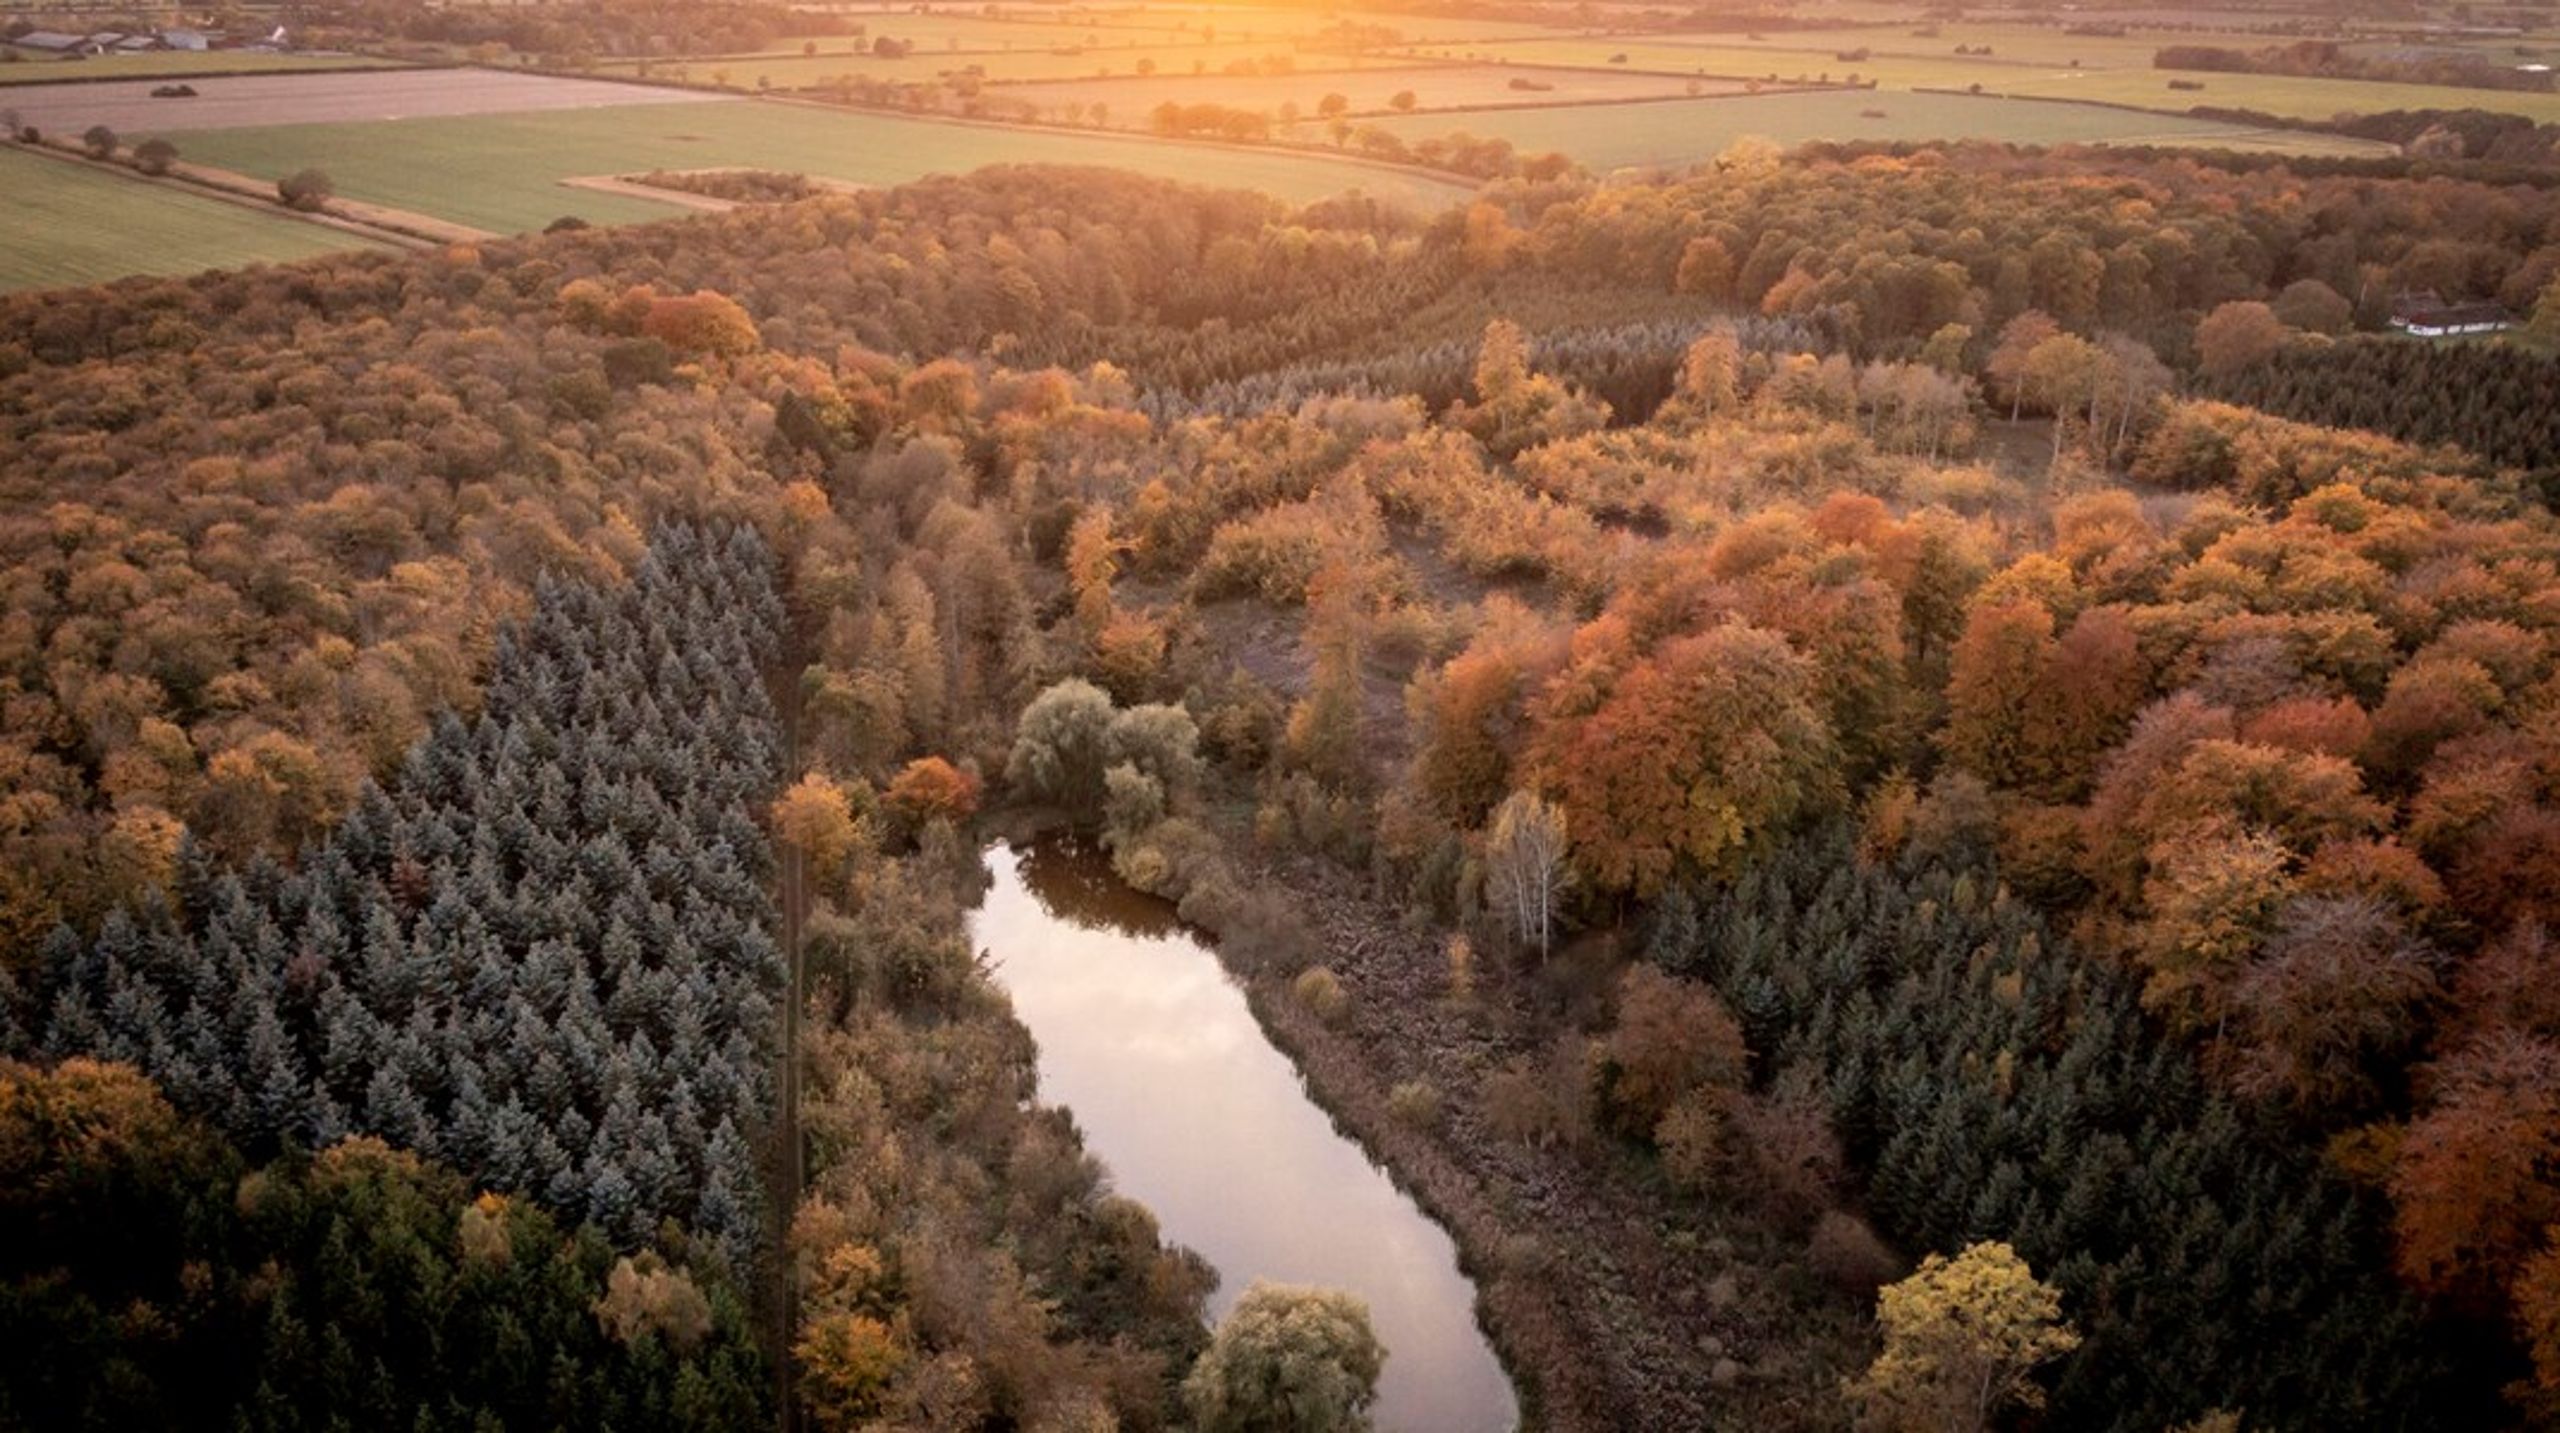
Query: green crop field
1681,132
66,224
174,64
1744,61
2280,94
503,172
2017,44
1434,87
1026,63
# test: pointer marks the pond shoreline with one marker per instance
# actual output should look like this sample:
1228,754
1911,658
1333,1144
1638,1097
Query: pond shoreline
1547,1369
1610,1302
1612,1306
1319,1203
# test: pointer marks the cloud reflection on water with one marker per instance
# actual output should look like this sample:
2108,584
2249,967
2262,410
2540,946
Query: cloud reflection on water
1144,1038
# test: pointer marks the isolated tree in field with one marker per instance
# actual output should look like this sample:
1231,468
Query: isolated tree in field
308,190
1524,860
101,141
1333,106
1288,1359
2238,335
155,156
1402,101
1962,1340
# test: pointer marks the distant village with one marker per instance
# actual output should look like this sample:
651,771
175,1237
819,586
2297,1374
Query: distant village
65,45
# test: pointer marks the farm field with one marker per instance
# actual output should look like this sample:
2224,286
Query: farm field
1684,132
229,102
503,172
2294,98
66,224
1028,63
2133,84
170,64
1229,21
2016,44
1434,87
1739,61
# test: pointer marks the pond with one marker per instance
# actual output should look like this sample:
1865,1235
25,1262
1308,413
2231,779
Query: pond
1199,1116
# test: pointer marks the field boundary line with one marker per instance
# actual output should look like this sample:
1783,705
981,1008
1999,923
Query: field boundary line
365,65
184,178
2384,149
1451,178
630,188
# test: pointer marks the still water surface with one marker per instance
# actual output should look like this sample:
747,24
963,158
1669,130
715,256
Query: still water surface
1200,1117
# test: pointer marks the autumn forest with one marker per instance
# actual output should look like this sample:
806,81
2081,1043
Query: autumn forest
1909,786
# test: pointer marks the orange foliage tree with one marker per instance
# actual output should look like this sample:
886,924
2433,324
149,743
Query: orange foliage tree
2477,1187
932,789
702,322
1685,757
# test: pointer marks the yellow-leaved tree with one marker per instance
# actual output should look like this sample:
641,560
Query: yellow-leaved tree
1962,1340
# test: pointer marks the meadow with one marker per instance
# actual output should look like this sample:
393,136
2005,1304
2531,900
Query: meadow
503,171
1434,87
2286,95
1682,132
230,102
1026,63
2034,61
67,224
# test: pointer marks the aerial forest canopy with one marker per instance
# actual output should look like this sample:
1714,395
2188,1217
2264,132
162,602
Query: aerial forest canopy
1845,762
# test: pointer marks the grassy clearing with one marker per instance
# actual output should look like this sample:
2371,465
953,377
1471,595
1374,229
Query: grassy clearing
65,224
171,64
1683,132
503,172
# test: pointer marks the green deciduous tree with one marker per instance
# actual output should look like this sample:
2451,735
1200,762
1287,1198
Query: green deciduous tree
1288,1359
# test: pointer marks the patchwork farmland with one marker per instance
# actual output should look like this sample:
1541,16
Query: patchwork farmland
65,223
1691,131
505,172
235,101
1352,98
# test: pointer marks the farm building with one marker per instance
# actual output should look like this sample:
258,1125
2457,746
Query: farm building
2430,317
